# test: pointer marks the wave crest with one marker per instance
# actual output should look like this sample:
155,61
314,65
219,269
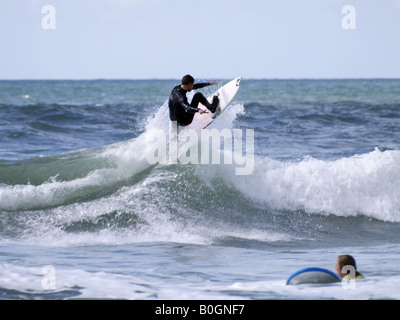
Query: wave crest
366,184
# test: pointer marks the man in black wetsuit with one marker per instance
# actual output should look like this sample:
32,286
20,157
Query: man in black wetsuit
179,108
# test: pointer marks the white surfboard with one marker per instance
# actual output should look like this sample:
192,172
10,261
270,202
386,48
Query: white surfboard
225,94
312,276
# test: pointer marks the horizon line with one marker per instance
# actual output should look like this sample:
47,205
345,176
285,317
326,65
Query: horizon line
174,79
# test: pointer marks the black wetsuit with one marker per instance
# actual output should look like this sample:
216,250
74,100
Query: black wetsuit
179,108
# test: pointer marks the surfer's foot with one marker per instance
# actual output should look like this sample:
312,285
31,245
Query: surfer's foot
214,104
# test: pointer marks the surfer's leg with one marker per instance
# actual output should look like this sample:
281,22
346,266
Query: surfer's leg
199,98
214,104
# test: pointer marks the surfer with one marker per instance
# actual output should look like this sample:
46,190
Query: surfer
344,261
179,108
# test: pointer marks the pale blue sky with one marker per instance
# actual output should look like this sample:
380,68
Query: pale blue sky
147,39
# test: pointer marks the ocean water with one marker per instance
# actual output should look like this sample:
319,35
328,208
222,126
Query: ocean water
85,215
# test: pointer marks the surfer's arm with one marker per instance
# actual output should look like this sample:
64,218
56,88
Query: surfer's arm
186,107
203,84
190,109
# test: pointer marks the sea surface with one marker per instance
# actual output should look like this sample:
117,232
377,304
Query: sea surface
84,214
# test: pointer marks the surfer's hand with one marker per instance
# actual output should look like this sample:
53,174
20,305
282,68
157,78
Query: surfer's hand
212,83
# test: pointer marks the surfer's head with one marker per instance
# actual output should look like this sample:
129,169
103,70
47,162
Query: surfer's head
188,79
187,82
344,260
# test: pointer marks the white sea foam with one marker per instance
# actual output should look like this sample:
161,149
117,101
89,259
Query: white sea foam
366,184
121,161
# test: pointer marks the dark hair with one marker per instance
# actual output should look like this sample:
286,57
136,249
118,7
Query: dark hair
345,260
188,79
